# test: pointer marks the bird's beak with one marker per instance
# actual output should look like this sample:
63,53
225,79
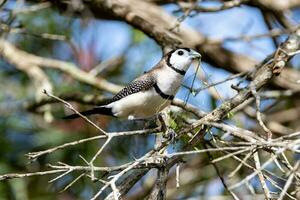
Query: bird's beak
195,54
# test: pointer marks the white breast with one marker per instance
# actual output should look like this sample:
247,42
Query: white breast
139,105
168,80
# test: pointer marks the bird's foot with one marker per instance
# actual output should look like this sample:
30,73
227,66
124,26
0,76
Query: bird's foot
170,135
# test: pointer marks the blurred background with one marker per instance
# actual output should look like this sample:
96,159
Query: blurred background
117,52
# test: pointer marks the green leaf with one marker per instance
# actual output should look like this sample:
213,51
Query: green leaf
230,115
138,36
172,123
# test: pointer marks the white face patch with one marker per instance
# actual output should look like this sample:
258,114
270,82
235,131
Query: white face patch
181,59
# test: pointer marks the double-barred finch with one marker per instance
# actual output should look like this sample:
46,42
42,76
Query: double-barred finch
150,93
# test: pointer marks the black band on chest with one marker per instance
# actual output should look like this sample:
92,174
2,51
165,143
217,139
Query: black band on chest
181,72
163,95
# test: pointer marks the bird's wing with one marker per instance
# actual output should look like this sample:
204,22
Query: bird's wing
140,84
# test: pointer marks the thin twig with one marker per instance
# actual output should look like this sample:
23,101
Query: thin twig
289,181
34,155
258,113
75,111
261,176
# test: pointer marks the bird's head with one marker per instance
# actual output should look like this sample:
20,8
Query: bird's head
182,58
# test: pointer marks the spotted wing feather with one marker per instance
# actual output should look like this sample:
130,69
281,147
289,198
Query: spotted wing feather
141,84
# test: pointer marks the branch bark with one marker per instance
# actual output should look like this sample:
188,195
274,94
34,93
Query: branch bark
33,64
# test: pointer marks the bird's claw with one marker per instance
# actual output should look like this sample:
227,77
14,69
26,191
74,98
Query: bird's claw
170,135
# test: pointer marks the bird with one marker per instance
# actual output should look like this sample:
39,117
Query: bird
151,92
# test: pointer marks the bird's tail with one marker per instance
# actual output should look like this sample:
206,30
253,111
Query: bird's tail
97,110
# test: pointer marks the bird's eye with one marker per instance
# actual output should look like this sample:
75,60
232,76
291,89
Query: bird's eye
180,53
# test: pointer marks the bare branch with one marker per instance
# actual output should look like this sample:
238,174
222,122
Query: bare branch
22,59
